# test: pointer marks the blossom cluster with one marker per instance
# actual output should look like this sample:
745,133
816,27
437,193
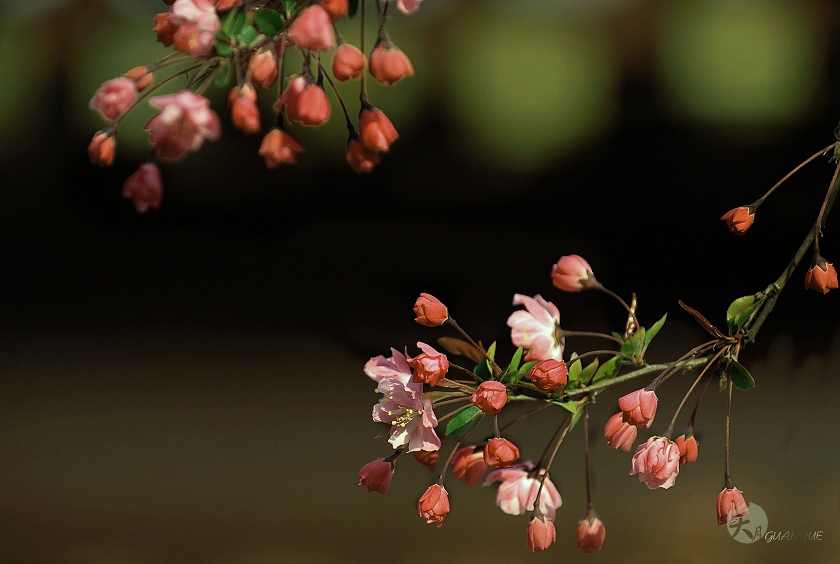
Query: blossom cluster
241,45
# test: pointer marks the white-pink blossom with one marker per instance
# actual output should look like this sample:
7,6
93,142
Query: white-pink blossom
411,417
378,367
535,328
518,490
183,123
197,23
114,97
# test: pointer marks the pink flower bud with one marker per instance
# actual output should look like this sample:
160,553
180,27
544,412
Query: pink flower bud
620,434
278,147
263,68
490,397
639,407
348,62
739,219
312,29
141,76
468,464
430,366
102,148
335,8
541,533
311,106
376,476
164,29
434,504
376,130
114,97
657,462
360,158
144,187
224,5
822,276
731,505
389,64
500,453
408,6
549,374
428,458
591,533
572,274
430,311
244,113
689,448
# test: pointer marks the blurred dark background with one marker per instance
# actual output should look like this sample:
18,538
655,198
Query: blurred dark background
186,386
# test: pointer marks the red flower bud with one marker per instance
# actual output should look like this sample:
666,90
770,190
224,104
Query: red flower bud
591,533
468,464
102,148
427,458
376,476
688,445
434,505
312,29
389,64
639,407
739,219
572,274
141,76
244,112
490,397
375,130
335,8
500,453
430,311
348,62
822,276
430,366
263,68
549,374
541,533
360,158
278,147
164,29
731,505
620,434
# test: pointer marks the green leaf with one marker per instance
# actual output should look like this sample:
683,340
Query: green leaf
575,418
741,378
491,352
354,5
523,370
517,358
634,345
222,48
574,369
222,77
291,7
571,406
246,35
618,336
482,370
608,370
270,22
462,420
589,371
652,332
740,311
237,24
230,20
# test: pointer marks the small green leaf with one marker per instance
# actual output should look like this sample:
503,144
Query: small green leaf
574,369
517,358
222,77
740,311
652,332
589,371
618,336
246,35
462,420
634,345
351,11
741,378
608,370
230,21
571,406
270,22
237,24
575,418
482,370
491,352
291,7
523,370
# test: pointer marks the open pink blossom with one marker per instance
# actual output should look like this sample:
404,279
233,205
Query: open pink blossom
184,121
396,367
411,417
144,187
657,462
536,327
408,6
114,97
197,23
518,490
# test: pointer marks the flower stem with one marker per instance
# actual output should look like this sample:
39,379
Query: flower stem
706,368
609,292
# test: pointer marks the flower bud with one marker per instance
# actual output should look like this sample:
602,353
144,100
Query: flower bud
657,462
430,311
335,8
376,476
244,112
263,68
348,62
500,453
572,274
114,97
311,106
278,147
164,29
688,445
468,464
822,276
639,407
312,29
389,64
541,533
223,5
408,6
360,158
144,187
430,366
731,505
141,76
375,129
591,533
428,458
619,433
490,397
434,504
549,374
739,219
102,148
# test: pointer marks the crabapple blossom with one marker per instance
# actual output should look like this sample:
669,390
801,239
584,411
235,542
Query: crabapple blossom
657,462
490,396
396,367
433,505
572,274
376,475
411,417
348,62
388,64
308,105
360,158
500,453
740,219
184,121
821,276
536,328
144,187
262,67
430,311
408,6
549,374
244,113
376,130
619,433
335,8
540,534
427,458
591,533
102,148
430,366
639,407
731,505
141,76
312,29
164,29
689,448
468,464
226,4
114,97
518,490
278,147
197,23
